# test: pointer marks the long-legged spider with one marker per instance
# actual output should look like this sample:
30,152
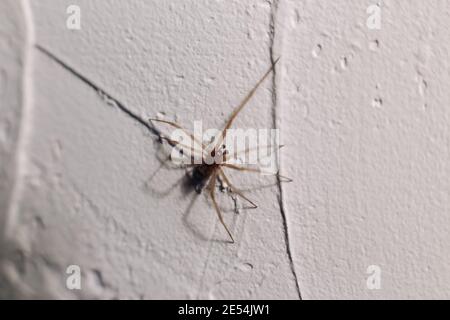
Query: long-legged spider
205,174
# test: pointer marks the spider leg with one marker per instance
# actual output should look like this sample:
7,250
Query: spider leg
234,190
163,163
179,144
242,105
173,124
256,170
182,148
211,188
247,151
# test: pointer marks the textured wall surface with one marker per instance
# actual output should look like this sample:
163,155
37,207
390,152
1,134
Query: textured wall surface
363,113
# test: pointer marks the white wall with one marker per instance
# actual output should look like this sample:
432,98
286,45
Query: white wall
364,115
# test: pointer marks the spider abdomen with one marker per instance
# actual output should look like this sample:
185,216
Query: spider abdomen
200,175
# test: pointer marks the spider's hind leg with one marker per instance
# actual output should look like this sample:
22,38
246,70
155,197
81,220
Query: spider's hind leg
235,190
211,189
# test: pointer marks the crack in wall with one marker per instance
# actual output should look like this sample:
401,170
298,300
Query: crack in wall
280,197
100,91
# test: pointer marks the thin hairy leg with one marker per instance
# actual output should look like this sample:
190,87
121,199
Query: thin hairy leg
242,105
177,126
255,170
211,188
248,150
235,190
183,149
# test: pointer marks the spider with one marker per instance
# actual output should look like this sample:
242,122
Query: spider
204,175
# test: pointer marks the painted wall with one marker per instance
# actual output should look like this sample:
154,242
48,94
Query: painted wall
361,103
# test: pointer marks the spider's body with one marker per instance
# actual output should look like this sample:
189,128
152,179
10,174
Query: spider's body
201,174
216,158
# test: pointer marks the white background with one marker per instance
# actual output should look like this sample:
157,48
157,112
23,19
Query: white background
364,115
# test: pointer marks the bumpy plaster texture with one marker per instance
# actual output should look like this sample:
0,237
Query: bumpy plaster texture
363,114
